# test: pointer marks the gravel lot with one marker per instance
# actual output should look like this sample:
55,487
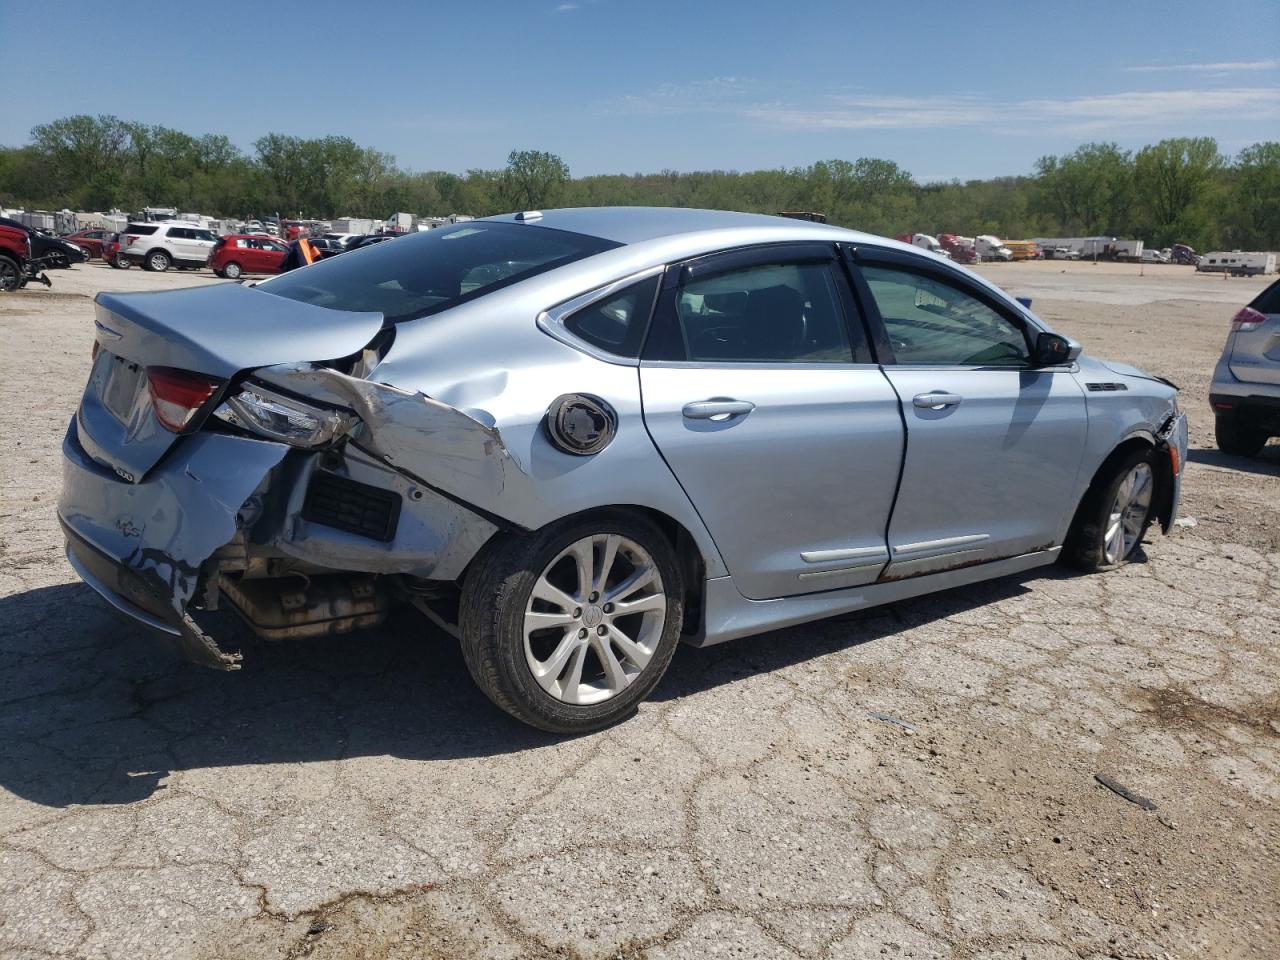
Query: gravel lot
359,798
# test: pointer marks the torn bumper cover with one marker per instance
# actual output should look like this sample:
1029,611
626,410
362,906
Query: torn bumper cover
222,502
142,545
1173,438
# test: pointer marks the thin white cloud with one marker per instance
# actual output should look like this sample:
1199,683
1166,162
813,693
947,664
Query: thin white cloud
716,94
1229,66
1066,115
566,8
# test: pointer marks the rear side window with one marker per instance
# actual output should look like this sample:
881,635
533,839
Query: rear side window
427,273
772,313
1268,301
616,324
141,229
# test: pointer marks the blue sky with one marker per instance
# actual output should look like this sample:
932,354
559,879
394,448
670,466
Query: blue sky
959,89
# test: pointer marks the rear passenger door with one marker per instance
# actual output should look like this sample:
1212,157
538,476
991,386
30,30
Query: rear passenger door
760,392
994,443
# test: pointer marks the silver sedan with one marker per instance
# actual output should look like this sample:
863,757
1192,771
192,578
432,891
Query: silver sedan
573,439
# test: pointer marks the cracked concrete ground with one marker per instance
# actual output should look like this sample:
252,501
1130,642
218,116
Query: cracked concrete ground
359,798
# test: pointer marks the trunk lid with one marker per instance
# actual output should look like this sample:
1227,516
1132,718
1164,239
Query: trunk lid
219,331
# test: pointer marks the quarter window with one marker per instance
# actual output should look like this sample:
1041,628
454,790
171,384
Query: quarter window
930,322
617,323
771,313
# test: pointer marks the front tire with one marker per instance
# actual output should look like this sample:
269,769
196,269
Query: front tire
1238,439
157,261
1113,519
569,628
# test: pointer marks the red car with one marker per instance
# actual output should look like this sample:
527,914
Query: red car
246,253
111,251
15,251
90,240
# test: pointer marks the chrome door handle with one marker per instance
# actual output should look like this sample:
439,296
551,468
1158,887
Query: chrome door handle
718,409
936,400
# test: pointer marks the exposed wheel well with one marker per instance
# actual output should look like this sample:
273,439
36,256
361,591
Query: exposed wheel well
1162,501
688,556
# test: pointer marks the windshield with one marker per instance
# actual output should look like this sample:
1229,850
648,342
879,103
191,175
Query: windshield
425,273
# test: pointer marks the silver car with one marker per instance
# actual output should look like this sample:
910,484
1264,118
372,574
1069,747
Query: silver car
1245,393
575,438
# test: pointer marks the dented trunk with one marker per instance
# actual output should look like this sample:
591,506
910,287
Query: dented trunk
216,331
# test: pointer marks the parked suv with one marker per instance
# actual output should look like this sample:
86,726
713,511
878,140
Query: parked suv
159,246
1245,393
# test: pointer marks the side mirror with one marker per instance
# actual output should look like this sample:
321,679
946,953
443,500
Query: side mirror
1053,349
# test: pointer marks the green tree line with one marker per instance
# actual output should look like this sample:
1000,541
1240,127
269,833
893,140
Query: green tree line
1178,190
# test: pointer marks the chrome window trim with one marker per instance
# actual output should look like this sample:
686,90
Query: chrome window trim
551,320
758,365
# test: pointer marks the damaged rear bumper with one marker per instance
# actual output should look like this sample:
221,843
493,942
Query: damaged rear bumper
142,546
230,515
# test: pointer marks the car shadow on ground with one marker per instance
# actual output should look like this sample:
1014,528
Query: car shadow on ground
1266,464
92,711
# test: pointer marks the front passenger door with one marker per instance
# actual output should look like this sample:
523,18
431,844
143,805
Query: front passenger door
994,444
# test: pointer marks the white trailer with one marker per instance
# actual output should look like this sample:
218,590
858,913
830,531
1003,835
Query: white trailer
352,225
400,223
39,220
1238,263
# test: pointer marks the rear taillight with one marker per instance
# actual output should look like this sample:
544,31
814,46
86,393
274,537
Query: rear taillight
129,239
177,395
1248,319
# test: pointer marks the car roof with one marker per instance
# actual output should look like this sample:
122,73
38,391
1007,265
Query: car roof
629,225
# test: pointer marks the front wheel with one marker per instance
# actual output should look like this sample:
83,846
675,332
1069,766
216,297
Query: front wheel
570,628
1114,516
1238,439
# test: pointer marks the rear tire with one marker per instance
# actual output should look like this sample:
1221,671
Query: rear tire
119,262
1238,439
232,271
157,261
595,661
1114,516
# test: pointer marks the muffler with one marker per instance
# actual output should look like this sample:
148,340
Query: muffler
299,606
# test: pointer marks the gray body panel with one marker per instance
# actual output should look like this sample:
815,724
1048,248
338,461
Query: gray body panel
796,492
804,484
989,476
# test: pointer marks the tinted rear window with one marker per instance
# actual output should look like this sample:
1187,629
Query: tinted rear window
425,273
1268,301
141,229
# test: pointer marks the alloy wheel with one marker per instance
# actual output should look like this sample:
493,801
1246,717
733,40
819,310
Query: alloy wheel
594,619
1128,516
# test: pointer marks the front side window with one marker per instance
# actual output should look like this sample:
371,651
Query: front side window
771,313
617,323
427,273
930,322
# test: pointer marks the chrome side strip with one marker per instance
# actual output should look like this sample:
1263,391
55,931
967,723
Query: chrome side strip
852,553
942,546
